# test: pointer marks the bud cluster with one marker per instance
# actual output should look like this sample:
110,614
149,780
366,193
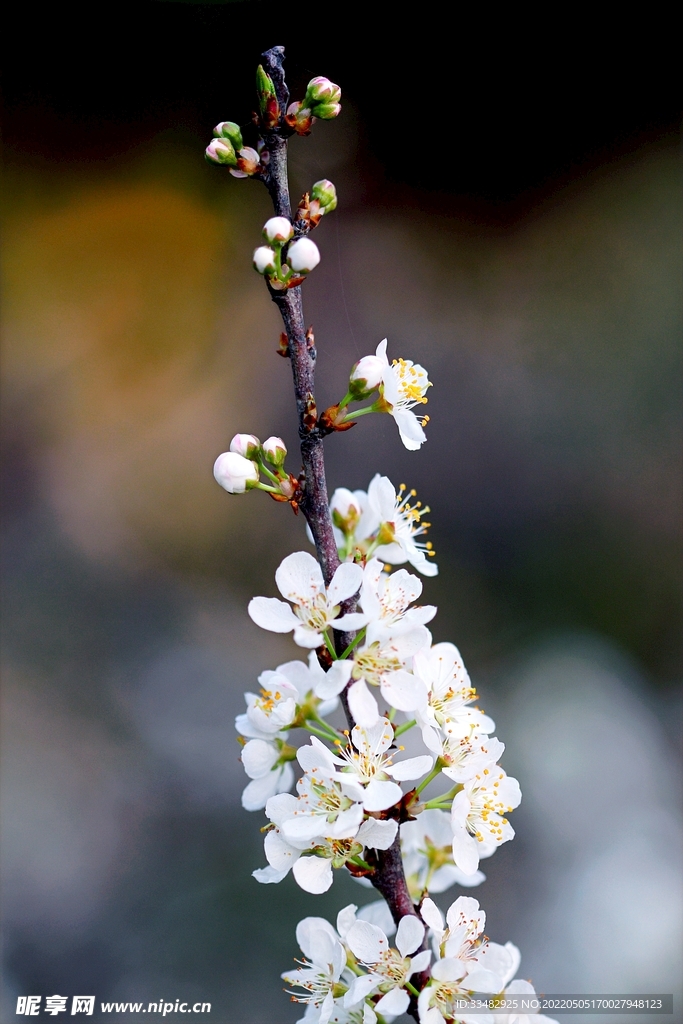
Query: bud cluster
321,100
302,255
227,148
239,469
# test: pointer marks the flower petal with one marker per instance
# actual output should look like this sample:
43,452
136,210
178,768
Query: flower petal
394,1003
431,915
270,613
299,577
313,874
258,758
420,962
377,835
363,705
345,583
367,942
259,791
381,795
409,935
334,681
308,638
378,913
412,434
403,690
412,768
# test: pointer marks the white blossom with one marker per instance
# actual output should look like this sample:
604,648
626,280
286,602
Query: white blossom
369,372
367,770
427,851
322,968
316,608
275,450
235,473
399,523
390,968
322,809
478,815
382,664
526,990
463,756
449,695
404,385
386,599
270,774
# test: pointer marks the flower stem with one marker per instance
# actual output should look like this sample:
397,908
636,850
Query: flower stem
411,988
404,727
326,725
432,775
359,862
330,646
359,636
358,412
323,734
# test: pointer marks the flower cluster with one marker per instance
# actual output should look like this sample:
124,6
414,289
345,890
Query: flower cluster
342,789
303,255
353,974
352,799
321,100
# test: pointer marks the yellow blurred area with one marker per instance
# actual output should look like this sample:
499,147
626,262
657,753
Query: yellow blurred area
115,346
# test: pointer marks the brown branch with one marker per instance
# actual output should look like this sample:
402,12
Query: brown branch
388,877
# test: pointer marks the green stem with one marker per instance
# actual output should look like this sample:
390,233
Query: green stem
358,412
392,715
361,863
330,646
319,732
326,725
432,775
444,800
264,469
359,636
411,988
404,728
266,487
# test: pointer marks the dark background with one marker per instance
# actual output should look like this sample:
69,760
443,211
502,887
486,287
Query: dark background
510,216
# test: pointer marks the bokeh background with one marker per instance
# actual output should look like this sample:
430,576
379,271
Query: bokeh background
510,217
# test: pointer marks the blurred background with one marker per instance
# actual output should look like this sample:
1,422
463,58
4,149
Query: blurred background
510,217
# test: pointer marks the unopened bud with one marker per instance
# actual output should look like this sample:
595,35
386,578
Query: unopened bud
366,376
278,230
267,98
326,111
299,117
221,151
325,194
303,255
235,473
264,259
247,445
275,450
345,509
229,130
321,90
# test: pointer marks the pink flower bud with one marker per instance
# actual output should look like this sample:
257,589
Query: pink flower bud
247,445
275,450
326,111
229,130
278,230
325,194
248,162
303,255
221,151
321,90
366,375
235,473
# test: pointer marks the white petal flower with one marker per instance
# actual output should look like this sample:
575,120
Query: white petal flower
449,694
322,810
527,991
383,664
256,795
316,608
389,968
401,523
404,385
264,259
427,851
386,602
320,972
464,756
478,815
